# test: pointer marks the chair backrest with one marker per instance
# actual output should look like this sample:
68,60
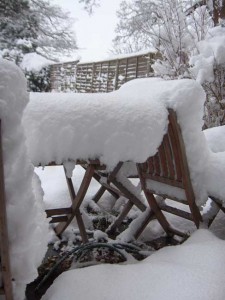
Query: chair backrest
167,173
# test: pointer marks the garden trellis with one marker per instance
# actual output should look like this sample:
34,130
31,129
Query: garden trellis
101,76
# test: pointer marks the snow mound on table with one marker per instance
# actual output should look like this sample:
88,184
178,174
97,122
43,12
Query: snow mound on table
125,125
27,225
194,270
111,127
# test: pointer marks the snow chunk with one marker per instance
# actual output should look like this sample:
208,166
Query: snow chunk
27,224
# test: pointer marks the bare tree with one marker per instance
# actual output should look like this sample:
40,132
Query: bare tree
89,5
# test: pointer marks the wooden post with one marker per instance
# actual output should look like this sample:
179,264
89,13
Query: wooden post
4,243
116,75
136,71
92,76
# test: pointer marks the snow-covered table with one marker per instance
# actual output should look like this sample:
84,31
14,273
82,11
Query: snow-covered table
125,125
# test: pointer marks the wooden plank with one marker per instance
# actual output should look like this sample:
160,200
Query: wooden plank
176,152
163,161
58,219
4,241
169,159
116,75
177,212
156,161
58,211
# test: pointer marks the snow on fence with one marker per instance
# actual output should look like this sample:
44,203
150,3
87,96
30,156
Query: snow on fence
101,76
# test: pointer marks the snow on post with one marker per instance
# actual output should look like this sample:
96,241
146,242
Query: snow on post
27,224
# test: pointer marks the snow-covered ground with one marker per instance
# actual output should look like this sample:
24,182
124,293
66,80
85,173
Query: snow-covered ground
194,270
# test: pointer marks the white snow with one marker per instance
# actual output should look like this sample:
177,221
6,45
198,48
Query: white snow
215,137
211,52
194,270
27,224
34,62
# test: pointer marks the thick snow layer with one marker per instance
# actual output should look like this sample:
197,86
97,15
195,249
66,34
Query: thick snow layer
27,225
211,52
34,62
194,270
112,127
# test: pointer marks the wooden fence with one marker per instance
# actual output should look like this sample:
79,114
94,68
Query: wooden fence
101,76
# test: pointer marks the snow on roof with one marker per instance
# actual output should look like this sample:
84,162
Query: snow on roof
27,224
193,270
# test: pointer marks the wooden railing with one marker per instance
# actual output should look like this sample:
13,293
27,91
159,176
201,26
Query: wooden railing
101,76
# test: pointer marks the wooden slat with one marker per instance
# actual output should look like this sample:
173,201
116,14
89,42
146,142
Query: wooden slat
163,161
177,212
165,180
59,219
58,211
150,163
4,242
156,161
169,159
176,154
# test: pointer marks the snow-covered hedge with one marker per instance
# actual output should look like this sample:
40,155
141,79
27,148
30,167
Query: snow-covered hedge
27,224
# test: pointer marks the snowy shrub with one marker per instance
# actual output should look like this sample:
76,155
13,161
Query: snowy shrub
38,81
208,67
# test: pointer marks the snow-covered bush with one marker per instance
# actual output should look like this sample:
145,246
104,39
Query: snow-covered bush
37,72
208,67
38,81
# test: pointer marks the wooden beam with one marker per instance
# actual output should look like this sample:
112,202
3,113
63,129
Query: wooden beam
4,242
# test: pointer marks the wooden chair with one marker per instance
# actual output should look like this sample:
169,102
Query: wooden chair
166,175
93,169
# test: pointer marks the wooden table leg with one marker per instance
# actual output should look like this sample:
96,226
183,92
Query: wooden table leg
76,202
